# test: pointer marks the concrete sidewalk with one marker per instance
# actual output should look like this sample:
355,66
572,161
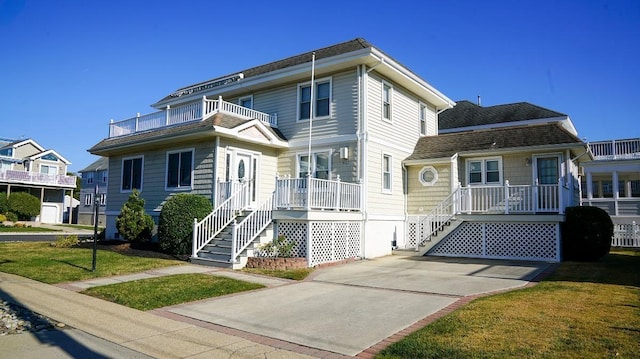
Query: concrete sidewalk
106,329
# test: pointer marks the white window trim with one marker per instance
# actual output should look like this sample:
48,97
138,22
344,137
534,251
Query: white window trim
428,169
422,115
88,199
484,171
534,167
382,85
250,97
141,173
382,172
313,100
50,166
166,170
103,199
327,151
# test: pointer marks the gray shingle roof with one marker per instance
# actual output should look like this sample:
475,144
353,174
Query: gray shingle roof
466,114
100,164
333,50
227,121
498,140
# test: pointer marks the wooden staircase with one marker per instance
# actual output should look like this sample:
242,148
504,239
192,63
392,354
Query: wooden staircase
217,253
441,233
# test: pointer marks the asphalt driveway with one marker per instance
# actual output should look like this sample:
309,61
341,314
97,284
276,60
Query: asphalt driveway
348,308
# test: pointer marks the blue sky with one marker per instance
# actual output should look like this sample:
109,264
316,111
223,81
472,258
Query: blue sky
69,66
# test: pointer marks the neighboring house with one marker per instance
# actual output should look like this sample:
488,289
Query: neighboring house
494,182
25,166
612,182
329,164
94,180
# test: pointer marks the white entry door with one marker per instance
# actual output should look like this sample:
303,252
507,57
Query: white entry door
245,170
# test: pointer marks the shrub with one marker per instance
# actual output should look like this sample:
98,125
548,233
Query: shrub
133,223
24,205
11,217
65,241
2,218
586,233
175,228
279,247
4,202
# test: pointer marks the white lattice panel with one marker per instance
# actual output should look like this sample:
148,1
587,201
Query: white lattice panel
525,241
466,240
297,233
535,241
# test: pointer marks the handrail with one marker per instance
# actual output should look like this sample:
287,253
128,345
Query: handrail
615,149
211,225
37,178
246,231
436,219
315,193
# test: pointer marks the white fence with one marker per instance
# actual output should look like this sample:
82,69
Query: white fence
616,149
513,199
37,178
626,235
314,193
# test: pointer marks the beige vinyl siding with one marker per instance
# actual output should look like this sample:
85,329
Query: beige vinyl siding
426,197
378,201
516,170
26,150
35,166
432,123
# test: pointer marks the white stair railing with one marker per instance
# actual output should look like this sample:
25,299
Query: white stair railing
438,217
210,226
245,232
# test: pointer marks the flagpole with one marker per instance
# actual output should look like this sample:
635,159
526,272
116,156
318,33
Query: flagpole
313,65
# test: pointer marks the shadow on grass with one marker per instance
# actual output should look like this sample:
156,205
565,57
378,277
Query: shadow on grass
618,268
74,265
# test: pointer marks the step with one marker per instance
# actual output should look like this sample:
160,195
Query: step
211,262
215,256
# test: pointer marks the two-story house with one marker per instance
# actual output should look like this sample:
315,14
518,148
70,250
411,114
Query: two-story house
25,166
93,187
313,146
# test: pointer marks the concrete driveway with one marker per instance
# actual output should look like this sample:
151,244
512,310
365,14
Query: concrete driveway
348,308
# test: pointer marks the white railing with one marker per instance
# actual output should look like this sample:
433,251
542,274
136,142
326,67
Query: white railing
314,193
626,235
615,149
211,225
437,218
37,178
186,113
513,199
245,232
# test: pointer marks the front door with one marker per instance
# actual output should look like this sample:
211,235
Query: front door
547,174
245,170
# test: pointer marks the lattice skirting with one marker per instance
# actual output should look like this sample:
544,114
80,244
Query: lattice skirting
523,241
329,241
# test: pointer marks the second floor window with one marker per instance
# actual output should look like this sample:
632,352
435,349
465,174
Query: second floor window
423,119
131,174
179,167
246,101
322,98
386,101
89,177
484,171
50,170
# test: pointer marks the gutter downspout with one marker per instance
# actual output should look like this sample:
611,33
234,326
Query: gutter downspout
364,176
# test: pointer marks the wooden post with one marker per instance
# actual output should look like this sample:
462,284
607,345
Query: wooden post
506,197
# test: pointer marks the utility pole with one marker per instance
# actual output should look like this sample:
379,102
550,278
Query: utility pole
96,211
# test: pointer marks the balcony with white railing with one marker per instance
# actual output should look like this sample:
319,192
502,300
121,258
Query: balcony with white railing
35,178
317,194
616,149
185,114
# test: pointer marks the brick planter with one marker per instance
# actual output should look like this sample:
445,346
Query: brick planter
277,263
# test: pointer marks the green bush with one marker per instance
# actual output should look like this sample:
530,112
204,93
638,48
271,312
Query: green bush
2,218
586,234
133,223
4,202
279,247
66,241
24,205
11,217
175,228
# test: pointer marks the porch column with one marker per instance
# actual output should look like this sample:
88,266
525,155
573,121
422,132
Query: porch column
41,202
589,186
616,191
70,206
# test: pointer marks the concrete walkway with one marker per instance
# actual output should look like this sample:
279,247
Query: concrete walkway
354,309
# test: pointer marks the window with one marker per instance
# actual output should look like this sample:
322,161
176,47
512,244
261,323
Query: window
105,175
89,177
322,94
320,165
50,157
386,173
88,201
428,176
179,167
484,171
423,119
246,101
103,199
7,152
50,170
5,165
386,101
131,174
635,188
547,168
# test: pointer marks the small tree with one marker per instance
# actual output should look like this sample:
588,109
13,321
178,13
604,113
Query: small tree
133,223
24,205
175,227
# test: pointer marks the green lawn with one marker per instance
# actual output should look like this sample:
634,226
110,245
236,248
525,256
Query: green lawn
25,229
147,294
42,262
295,274
584,310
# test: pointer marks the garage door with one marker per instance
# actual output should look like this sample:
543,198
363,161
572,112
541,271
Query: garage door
49,214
